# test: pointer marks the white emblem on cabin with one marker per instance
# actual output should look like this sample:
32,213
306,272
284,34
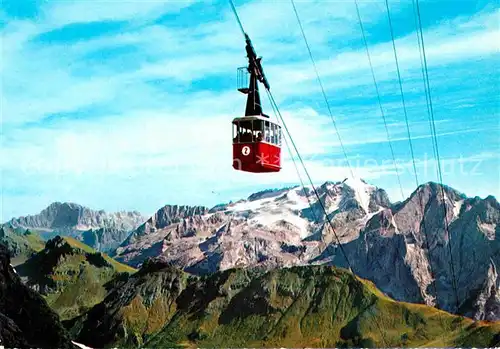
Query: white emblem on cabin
245,150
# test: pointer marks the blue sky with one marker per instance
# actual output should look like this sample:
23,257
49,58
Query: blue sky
123,105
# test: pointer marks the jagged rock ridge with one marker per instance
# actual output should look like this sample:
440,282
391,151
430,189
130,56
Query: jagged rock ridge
70,215
99,229
164,217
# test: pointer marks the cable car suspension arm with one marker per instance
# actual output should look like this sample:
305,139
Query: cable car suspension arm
256,72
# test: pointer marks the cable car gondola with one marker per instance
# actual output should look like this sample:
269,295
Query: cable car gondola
256,139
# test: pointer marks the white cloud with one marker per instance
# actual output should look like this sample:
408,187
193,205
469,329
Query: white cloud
60,13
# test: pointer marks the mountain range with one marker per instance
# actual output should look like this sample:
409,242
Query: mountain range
406,249
98,229
161,306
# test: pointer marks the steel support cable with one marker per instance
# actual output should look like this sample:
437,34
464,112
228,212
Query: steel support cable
378,97
325,97
273,102
276,108
426,234
295,165
423,78
323,90
411,143
401,90
426,237
237,17
431,110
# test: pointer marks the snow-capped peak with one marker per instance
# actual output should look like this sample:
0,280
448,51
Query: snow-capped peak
362,190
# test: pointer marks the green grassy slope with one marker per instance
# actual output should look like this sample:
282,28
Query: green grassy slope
313,306
26,321
20,243
70,275
119,267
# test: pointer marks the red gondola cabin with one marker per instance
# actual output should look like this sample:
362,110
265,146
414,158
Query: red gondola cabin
256,144
256,139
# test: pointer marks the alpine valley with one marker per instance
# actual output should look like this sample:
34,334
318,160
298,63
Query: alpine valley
269,271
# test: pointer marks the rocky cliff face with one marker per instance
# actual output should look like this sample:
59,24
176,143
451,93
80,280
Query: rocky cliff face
25,318
104,239
403,248
165,217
